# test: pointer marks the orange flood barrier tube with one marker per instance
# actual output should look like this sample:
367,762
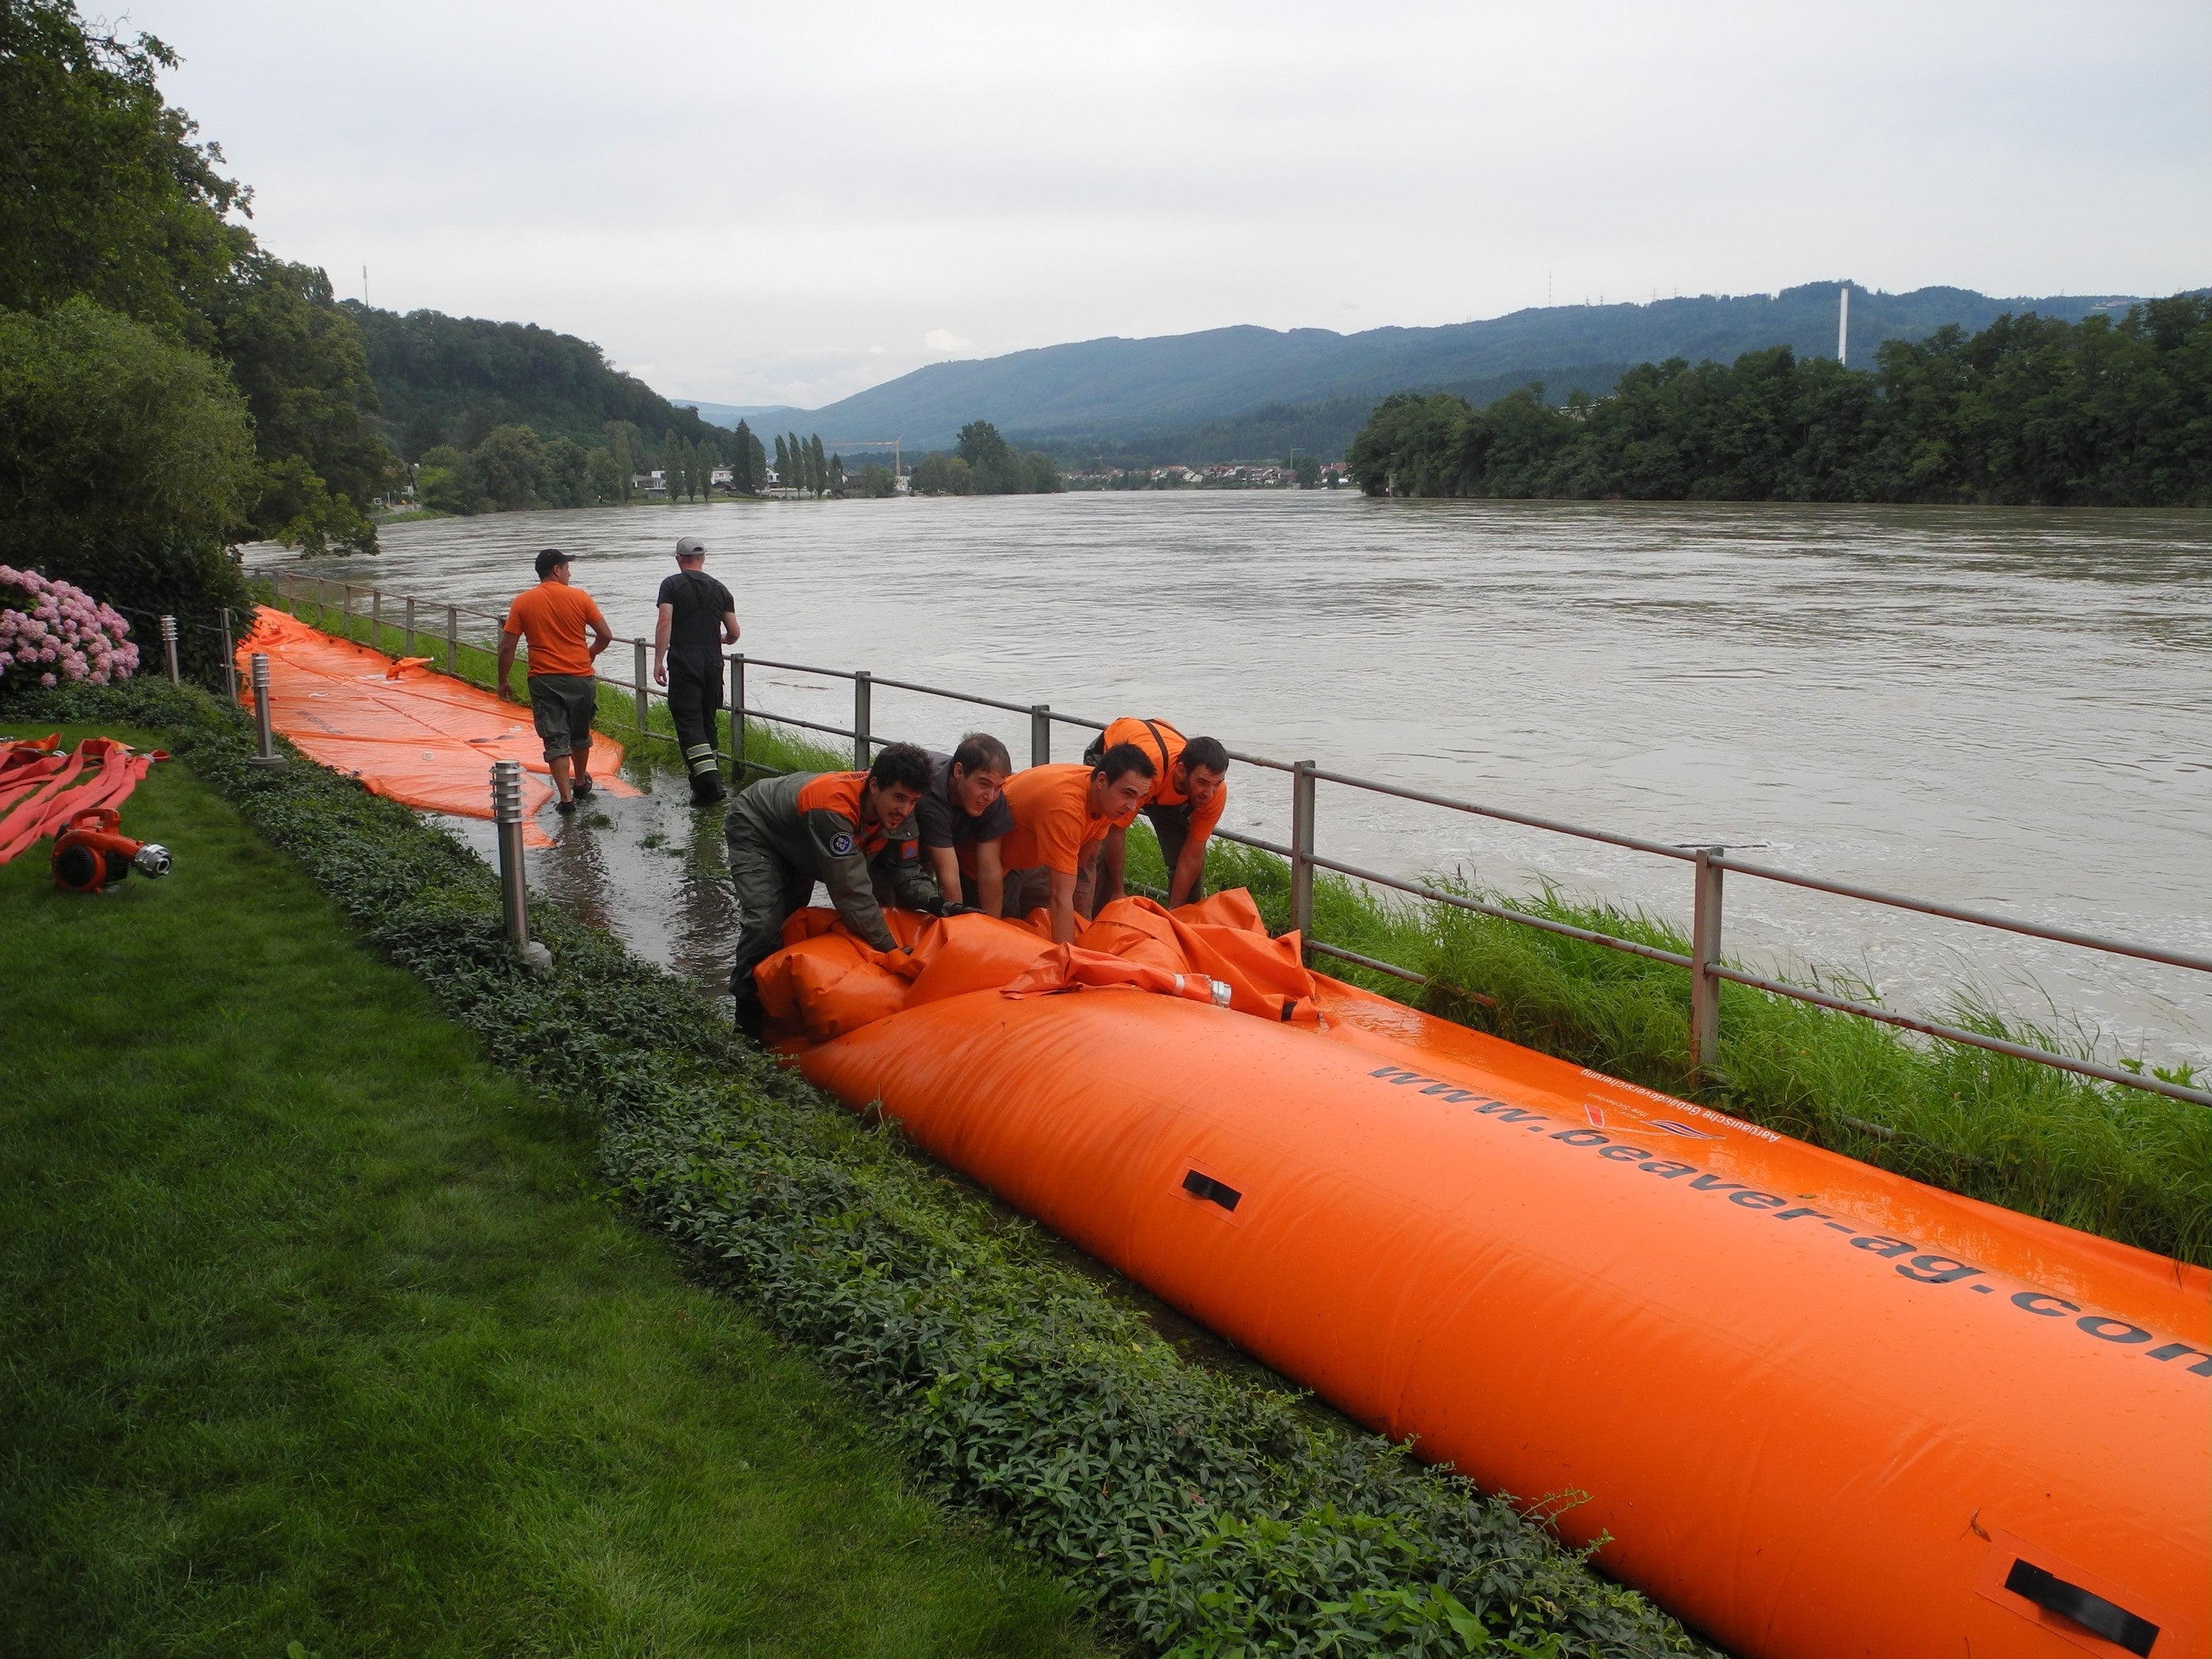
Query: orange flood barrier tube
424,738
1818,1408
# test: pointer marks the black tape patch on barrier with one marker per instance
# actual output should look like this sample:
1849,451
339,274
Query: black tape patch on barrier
2085,1608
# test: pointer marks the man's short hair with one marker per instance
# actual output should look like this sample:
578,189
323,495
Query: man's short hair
548,557
1124,759
901,766
979,751
1207,754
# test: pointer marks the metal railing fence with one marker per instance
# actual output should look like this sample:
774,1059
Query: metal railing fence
1709,863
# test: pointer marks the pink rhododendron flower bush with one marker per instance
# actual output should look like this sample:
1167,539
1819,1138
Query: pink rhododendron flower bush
56,632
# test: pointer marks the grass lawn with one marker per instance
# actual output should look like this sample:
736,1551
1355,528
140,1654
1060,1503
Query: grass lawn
315,1332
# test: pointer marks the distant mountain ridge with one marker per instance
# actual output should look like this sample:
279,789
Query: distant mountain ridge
1111,394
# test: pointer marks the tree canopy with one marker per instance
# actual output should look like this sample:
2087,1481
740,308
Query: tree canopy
109,199
2030,410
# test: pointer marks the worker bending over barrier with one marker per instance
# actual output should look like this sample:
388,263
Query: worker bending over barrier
965,820
1062,813
852,831
1189,788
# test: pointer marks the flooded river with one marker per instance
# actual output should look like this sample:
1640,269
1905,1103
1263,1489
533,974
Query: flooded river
2008,710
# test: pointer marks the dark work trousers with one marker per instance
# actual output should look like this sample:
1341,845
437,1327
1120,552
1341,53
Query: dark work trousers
1172,825
769,890
694,692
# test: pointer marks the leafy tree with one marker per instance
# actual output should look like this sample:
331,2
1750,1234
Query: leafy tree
1306,469
445,481
874,481
835,476
782,463
940,475
622,449
510,465
126,461
982,447
604,480
104,190
817,465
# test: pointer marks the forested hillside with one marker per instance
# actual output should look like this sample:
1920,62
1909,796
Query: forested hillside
1118,395
2030,410
451,380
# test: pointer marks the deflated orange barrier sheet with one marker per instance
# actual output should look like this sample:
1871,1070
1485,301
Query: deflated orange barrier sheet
417,737
1819,1409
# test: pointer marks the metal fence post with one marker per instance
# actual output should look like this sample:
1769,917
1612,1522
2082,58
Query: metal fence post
408,650
637,678
376,619
453,637
1704,952
864,687
345,609
1039,733
169,649
736,719
229,654
1302,850
264,738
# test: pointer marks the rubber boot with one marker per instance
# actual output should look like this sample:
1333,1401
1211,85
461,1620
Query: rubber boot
706,788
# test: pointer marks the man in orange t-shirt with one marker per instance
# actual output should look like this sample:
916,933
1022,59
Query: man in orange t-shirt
1061,814
1186,802
564,693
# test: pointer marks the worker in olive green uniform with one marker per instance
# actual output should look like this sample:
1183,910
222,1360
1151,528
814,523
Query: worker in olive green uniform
854,832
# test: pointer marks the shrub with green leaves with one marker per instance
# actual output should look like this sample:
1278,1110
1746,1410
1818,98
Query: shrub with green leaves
1200,1512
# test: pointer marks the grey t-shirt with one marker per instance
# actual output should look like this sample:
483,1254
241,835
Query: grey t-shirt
698,603
944,825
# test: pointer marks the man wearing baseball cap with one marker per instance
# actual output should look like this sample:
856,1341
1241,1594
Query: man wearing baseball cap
698,617
563,690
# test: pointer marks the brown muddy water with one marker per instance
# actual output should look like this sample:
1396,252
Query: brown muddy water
2005,708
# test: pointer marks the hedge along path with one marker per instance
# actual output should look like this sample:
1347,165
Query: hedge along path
1200,1513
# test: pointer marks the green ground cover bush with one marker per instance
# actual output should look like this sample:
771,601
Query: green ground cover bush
1199,1512
318,1329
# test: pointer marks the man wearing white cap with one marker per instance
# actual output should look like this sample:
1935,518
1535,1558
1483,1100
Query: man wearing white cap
698,617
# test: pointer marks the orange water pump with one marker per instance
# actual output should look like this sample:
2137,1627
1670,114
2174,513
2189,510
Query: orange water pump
93,854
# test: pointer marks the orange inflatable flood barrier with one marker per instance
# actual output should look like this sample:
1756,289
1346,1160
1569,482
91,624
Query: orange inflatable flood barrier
1818,1409
417,737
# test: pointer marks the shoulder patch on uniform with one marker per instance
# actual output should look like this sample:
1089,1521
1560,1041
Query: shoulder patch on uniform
908,850
841,843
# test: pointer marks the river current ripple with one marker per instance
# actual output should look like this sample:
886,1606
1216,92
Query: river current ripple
2004,709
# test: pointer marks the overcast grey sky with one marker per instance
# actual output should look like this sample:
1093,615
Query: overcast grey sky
754,204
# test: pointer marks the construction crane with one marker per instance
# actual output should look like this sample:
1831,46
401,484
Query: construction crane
844,444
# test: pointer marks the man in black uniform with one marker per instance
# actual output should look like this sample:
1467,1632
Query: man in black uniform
852,831
698,617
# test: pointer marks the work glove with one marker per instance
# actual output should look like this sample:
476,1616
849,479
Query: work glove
957,910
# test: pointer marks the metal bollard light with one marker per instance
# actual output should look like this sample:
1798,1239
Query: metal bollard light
266,753
514,889
169,649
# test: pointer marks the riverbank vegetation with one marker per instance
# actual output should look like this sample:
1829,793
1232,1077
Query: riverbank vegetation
321,1329
2030,410
1197,1511
985,464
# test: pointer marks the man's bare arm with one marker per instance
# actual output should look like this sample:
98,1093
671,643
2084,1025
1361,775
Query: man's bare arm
507,643
730,629
602,635
990,878
660,644
1190,868
1111,858
1063,907
948,872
